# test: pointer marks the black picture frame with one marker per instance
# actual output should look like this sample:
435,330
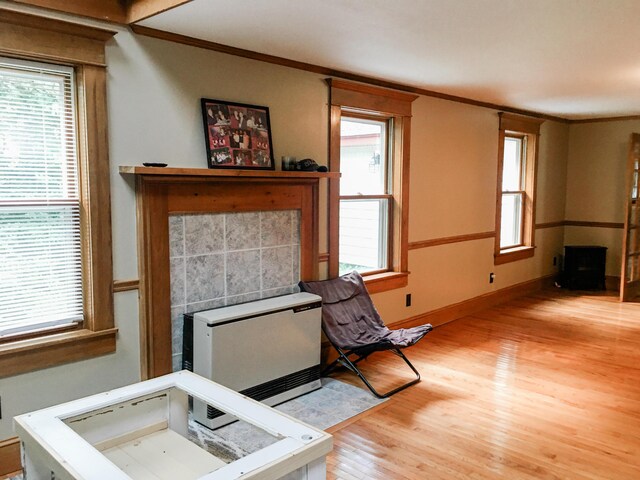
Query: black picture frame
237,135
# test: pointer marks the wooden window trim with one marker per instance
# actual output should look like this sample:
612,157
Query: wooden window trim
354,98
529,128
48,40
513,254
382,282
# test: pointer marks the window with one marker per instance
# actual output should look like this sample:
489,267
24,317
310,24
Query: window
56,302
365,199
41,285
369,204
515,212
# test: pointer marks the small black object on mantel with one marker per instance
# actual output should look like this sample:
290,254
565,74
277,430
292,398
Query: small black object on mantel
154,164
310,165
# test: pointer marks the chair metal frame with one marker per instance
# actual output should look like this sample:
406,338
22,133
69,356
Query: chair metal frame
351,365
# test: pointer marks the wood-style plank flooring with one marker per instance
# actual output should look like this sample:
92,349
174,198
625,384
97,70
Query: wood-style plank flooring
543,387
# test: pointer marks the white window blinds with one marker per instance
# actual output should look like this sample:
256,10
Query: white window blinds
40,245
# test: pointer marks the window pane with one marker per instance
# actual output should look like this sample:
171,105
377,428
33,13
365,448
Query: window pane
362,157
511,221
512,165
41,271
363,235
40,246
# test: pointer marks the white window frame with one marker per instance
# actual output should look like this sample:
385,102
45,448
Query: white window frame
386,199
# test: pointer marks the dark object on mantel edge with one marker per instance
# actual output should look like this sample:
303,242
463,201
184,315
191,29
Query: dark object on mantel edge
153,164
310,165
584,267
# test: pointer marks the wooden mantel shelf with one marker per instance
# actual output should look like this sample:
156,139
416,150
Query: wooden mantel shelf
209,172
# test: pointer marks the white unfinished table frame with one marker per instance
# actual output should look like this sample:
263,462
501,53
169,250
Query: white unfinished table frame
139,432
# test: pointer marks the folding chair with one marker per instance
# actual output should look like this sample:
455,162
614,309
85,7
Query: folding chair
353,326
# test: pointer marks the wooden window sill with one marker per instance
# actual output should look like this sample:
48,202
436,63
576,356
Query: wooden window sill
35,353
513,254
382,282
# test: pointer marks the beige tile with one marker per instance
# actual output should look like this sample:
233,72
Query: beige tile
276,267
204,277
177,281
176,236
203,233
242,230
247,297
177,328
243,272
275,228
206,305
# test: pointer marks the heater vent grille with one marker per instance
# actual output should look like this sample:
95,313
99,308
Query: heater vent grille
274,387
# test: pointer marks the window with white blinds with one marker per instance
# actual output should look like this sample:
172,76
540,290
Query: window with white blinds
40,244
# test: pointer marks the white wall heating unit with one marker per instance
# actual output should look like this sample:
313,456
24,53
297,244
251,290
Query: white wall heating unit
268,350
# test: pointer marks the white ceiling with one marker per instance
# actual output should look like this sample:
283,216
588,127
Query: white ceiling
569,58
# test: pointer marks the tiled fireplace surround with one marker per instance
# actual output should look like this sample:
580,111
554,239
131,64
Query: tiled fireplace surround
220,259
210,225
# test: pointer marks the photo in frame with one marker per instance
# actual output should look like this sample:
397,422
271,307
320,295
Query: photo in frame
237,135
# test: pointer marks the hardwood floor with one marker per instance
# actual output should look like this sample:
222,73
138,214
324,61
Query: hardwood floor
543,387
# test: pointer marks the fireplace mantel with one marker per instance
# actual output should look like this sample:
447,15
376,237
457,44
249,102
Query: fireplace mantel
209,172
161,192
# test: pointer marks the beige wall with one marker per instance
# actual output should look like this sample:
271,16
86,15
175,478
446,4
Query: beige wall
454,153
154,91
596,184
552,172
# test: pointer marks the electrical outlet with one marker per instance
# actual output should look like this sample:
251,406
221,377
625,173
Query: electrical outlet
492,277
408,300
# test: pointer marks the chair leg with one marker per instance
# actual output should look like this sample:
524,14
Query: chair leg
331,367
343,359
351,365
